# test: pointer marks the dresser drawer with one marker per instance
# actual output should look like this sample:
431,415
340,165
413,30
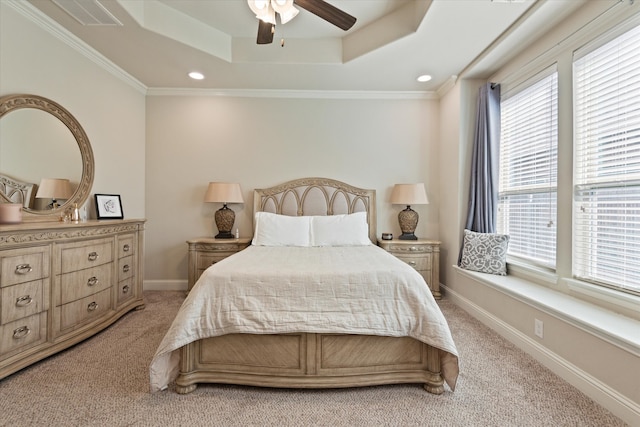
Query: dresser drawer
85,309
206,260
86,254
24,265
126,290
417,262
125,268
21,300
23,332
80,284
126,246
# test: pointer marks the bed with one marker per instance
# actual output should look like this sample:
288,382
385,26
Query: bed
329,309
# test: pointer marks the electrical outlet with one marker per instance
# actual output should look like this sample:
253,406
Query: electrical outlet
538,328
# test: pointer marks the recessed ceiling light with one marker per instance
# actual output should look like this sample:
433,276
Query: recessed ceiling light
424,78
196,75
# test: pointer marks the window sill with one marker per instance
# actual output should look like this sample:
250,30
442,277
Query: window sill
619,330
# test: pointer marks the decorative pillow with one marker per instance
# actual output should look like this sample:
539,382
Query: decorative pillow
281,230
485,252
340,230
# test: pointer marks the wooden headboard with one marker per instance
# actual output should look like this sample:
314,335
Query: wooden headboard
18,191
317,196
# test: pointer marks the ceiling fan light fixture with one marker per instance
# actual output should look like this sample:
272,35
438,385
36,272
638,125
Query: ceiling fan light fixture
281,6
288,15
263,10
258,7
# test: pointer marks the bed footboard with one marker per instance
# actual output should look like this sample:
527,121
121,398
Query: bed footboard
307,360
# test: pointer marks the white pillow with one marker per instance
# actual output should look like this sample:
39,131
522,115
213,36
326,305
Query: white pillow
281,230
340,230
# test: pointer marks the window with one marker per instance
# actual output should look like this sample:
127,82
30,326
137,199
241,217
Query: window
607,164
528,170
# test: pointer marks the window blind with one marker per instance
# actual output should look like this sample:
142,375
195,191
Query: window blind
607,164
528,170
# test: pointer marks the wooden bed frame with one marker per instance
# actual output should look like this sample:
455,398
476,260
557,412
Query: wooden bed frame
308,360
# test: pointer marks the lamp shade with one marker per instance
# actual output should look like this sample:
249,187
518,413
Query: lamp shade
409,194
54,188
224,192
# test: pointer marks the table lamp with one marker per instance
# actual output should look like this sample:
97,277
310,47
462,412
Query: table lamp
54,189
408,194
224,192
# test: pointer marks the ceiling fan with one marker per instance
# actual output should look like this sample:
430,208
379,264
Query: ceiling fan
267,10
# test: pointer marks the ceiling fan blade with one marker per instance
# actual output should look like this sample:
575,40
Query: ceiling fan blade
265,32
328,12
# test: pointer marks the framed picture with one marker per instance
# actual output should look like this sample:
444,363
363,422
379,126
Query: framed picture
108,206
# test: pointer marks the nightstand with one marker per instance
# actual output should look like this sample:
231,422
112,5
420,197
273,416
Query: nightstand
206,251
421,254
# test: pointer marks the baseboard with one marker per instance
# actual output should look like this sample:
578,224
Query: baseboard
164,285
618,404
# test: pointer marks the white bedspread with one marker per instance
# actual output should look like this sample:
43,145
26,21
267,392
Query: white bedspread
264,290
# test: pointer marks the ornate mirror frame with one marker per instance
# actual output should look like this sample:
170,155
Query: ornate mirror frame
11,103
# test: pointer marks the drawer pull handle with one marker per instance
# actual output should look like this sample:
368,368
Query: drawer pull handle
413,248
92,281
21,332
92,307
24,301
125,289
412,263
126,268
93,256
126,248
23,268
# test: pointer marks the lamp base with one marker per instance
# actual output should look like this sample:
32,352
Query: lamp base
225,218
407,236
408,219
225,235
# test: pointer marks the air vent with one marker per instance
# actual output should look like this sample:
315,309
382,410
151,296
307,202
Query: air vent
88,12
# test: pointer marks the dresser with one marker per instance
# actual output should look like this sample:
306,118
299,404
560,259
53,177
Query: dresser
61,283
421,254
206,251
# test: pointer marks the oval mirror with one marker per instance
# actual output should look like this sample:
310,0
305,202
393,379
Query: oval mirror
39,141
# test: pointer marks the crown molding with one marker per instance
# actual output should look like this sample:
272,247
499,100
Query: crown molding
34,15
277,93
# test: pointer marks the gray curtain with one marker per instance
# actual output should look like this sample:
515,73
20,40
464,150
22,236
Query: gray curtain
483,186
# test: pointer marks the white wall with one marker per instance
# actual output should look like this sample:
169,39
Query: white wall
582,355
110,110
261,142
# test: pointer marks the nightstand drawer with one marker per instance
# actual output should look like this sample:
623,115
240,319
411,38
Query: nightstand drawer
397,249
208,259
206,251
418,262
421,254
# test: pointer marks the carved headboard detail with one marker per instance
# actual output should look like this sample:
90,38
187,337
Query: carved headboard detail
317,196
18,191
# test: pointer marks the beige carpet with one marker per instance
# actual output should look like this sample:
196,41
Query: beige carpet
104,382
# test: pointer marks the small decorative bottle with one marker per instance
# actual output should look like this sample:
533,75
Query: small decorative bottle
75,214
